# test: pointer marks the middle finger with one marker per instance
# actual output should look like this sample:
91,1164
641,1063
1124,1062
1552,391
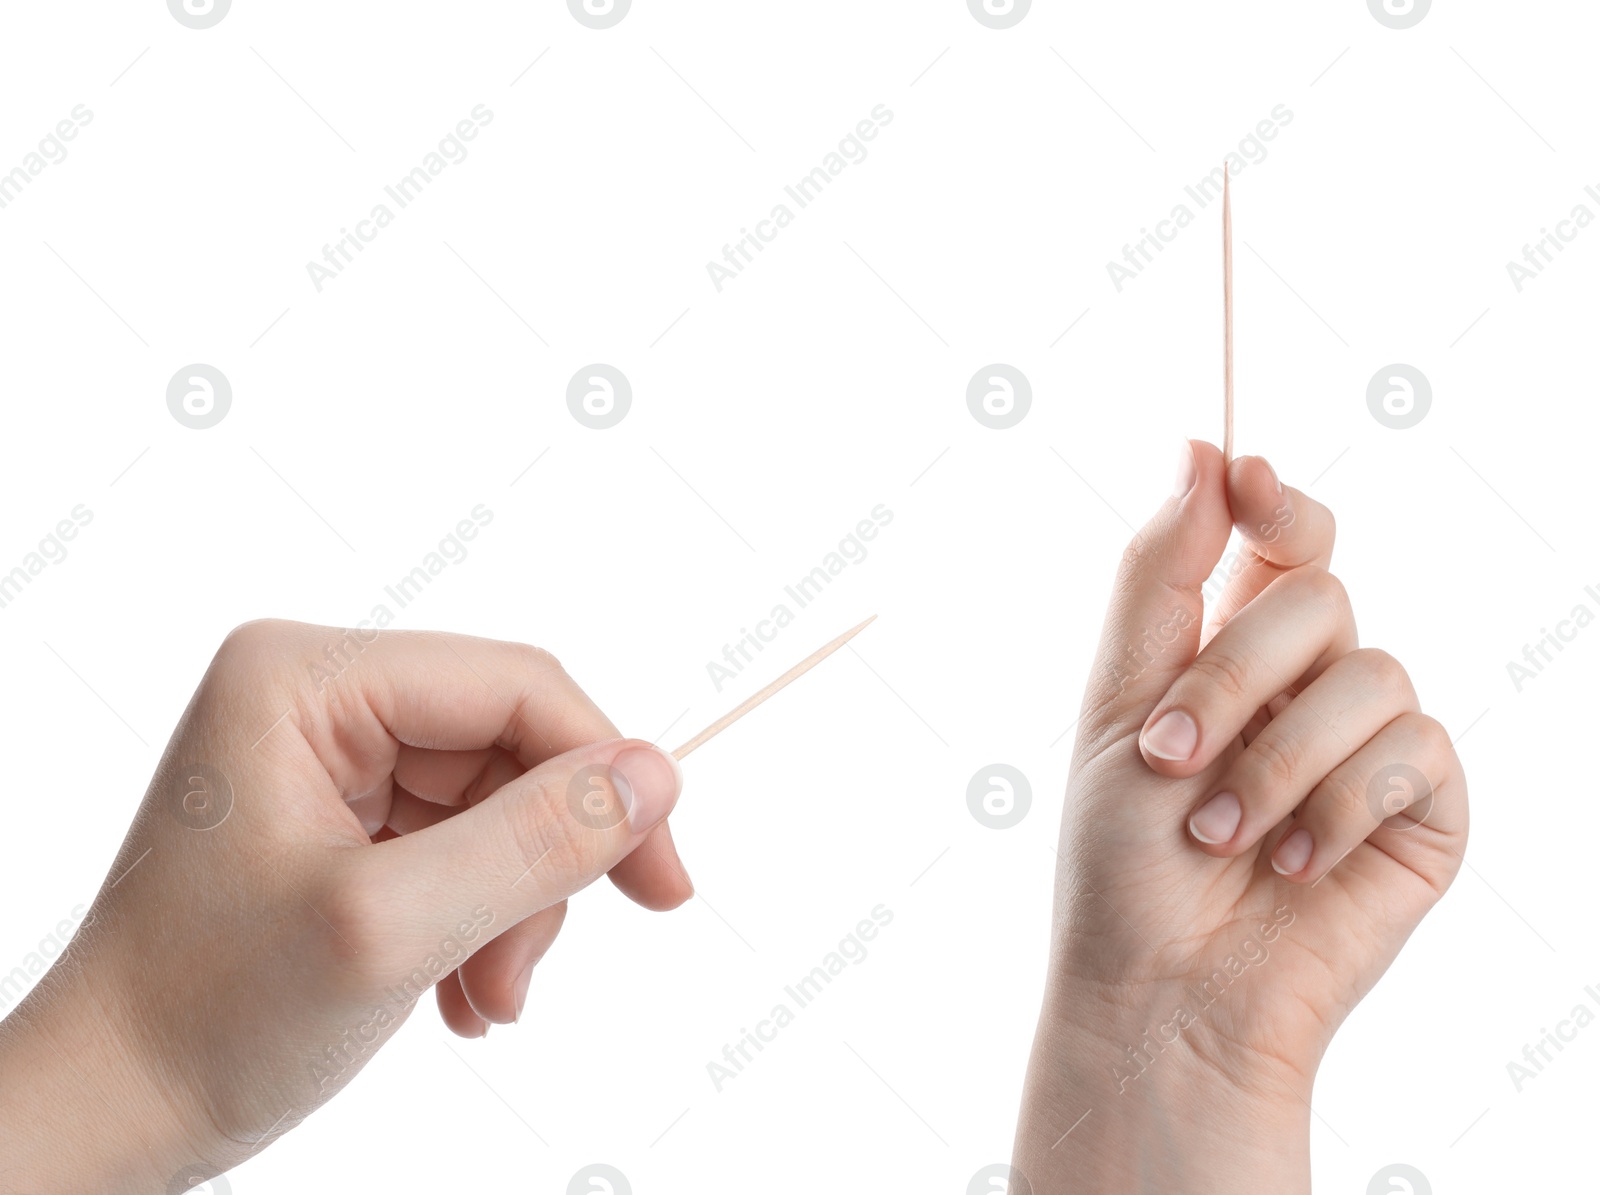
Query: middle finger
1299,625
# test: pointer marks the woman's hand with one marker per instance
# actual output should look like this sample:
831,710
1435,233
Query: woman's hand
1259,814
339,823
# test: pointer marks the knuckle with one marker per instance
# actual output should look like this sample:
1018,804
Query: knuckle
1139,557
1226,674
1342,798
1386,674
249,640
1273,762
561,824
537,659
1322,586
534,832
1433,740
353,919
257,656
1134,553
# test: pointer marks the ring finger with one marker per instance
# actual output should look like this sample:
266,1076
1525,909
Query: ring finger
1394,775
1354,698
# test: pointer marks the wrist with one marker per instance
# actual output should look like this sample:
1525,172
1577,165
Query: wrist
1127,1100
80,1107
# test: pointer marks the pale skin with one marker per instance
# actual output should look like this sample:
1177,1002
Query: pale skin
413,823
1233,879
421,818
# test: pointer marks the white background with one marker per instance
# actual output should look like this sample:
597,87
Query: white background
369,418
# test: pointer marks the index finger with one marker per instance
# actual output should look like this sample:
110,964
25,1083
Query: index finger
1282,528
1152,627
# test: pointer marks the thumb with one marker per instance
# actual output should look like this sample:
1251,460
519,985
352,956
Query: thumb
533,842
1152,629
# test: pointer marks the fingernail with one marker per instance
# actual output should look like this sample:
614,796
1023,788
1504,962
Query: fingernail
1173,737
1293,853
1274,473
652,780
485,1032
519,994
1217,820
1186,471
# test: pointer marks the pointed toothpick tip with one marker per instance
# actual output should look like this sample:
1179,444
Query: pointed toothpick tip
750,703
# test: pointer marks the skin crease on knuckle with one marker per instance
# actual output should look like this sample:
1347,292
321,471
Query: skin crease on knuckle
1272,763
1269,766
1221,673
1341,800
548,839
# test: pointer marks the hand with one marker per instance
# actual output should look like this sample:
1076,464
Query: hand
326,837
1257,818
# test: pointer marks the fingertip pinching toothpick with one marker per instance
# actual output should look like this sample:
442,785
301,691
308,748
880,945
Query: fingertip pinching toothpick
750,703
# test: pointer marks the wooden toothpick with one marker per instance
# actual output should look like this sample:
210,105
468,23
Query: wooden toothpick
804,666
1227,321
